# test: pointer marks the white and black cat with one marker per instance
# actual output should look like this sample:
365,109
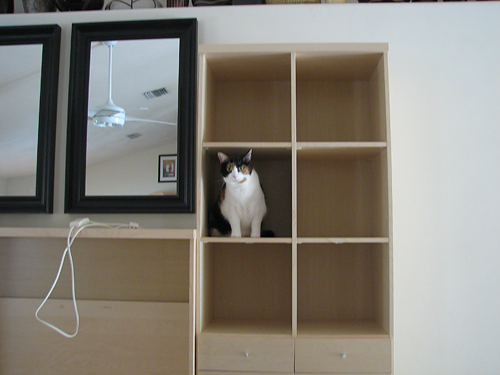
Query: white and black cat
241,205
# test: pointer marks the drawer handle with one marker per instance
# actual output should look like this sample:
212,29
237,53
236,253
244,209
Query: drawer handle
245,354
344,356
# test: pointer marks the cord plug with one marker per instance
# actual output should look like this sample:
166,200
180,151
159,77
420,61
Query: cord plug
78,223
133,225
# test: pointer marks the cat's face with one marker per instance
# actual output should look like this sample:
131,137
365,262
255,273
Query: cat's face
236,170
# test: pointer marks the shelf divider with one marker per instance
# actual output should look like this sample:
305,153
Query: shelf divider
340,328
340,149
247,240
343,240
267,148
248,326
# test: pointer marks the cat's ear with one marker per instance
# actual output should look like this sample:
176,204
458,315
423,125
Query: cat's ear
248,157
222,157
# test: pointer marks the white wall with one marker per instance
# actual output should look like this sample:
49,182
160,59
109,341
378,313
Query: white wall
18,186
135,174
3,186
444,93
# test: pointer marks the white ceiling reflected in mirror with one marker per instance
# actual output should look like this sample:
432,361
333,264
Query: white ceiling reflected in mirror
132,115
19,109
29,63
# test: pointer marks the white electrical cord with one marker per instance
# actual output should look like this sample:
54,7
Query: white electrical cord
79,225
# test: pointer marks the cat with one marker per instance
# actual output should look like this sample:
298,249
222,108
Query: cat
241,205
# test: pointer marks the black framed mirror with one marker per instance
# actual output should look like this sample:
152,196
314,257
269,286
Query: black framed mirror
131,117
29,60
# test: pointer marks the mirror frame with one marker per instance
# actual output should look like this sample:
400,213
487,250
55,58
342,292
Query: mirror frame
76,201
49,36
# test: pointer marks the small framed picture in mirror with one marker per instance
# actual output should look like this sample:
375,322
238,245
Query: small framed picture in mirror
167,168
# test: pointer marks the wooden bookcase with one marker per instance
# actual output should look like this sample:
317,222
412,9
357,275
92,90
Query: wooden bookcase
135,295
317,298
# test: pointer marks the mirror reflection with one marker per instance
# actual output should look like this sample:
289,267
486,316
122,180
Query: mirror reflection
19,89
132,117
124,126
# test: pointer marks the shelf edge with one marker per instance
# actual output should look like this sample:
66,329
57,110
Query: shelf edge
141,233
247,240
343,240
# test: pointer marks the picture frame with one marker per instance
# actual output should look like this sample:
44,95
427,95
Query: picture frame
43,140
77,200
167,168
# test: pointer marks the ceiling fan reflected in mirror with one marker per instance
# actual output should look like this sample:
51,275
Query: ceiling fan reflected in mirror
109,114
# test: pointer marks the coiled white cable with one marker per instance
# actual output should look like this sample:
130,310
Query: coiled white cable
80,225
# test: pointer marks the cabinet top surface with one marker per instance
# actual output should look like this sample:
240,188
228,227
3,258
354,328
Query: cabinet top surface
140,233
299,47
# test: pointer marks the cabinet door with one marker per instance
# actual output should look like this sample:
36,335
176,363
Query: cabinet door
343,355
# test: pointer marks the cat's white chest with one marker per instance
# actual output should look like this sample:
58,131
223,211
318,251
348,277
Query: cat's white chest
244,201
244,206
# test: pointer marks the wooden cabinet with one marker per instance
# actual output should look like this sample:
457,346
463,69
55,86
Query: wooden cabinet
134,290
316,117
315,299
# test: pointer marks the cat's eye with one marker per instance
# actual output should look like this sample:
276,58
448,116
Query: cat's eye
229,167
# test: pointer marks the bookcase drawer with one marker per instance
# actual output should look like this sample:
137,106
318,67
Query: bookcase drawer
267,354
343,355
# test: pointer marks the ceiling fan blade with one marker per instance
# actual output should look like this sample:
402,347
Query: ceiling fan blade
110,115
153,121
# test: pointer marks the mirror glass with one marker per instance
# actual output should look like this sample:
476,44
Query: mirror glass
19,86
131,117
29,62
124,160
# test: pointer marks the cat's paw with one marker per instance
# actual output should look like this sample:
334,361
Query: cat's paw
236,235
255,235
